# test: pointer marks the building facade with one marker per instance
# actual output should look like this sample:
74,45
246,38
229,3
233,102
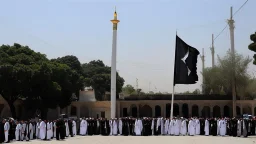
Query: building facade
185,106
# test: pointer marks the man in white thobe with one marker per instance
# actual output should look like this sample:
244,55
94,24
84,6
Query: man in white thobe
191,127
42,131
67,128
138,127
166,126
114,127
38,129
222,127
176,127
206,127
120,126
162,126
183,127
6,130
171,127
31,132
239,127
83,127
197,126
17,131
74,127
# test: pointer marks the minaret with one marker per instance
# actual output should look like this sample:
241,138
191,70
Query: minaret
213,51
113,67
203,60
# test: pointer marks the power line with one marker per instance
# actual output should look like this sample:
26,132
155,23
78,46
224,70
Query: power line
233,16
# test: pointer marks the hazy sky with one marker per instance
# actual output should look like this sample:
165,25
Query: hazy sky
146,33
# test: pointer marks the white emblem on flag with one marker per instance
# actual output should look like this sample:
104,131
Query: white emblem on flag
184,58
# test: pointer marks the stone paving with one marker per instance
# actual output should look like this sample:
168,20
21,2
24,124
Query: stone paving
150,140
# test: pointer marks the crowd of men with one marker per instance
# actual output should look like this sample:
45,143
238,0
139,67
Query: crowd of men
11,130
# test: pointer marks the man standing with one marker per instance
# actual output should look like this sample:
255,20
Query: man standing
6,130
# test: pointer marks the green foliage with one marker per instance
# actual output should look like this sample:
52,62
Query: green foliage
252,46
128,89
45,83
218,79
98,75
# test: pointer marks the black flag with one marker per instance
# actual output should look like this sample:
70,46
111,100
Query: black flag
185,68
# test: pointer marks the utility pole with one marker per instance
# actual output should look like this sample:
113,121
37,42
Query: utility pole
203,61
149,86
137,85
232,43
213,51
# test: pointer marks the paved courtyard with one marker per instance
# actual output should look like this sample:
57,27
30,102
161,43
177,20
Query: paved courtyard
150,140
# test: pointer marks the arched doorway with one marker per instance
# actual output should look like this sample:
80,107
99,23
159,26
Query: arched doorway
216,111
157,111
195,110
226,111
176,110
247,110
238,111
73,111
206,112
185,110
146,111
167,110
133,110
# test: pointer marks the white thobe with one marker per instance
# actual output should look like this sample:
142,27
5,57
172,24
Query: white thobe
166,126
120,126
83,127
114,127
176,127
218,127
37,129
54,129
42,131
67,129
206,127
152,126
48,133
239,128
17,132
51,131
138,127
111,127
197,127
172,127
31,132
183,128
222,125
191,127
6,131
162,126
74,127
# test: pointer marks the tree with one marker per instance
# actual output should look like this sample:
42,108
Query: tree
98,75
196,91
71,79
252,46
128,89
218,79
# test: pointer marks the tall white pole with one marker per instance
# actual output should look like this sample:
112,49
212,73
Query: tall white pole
232,43
203,67
213,51
113,67
171,112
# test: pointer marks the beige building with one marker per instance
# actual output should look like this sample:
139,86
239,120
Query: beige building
186,106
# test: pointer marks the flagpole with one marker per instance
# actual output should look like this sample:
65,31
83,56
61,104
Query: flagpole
173,86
